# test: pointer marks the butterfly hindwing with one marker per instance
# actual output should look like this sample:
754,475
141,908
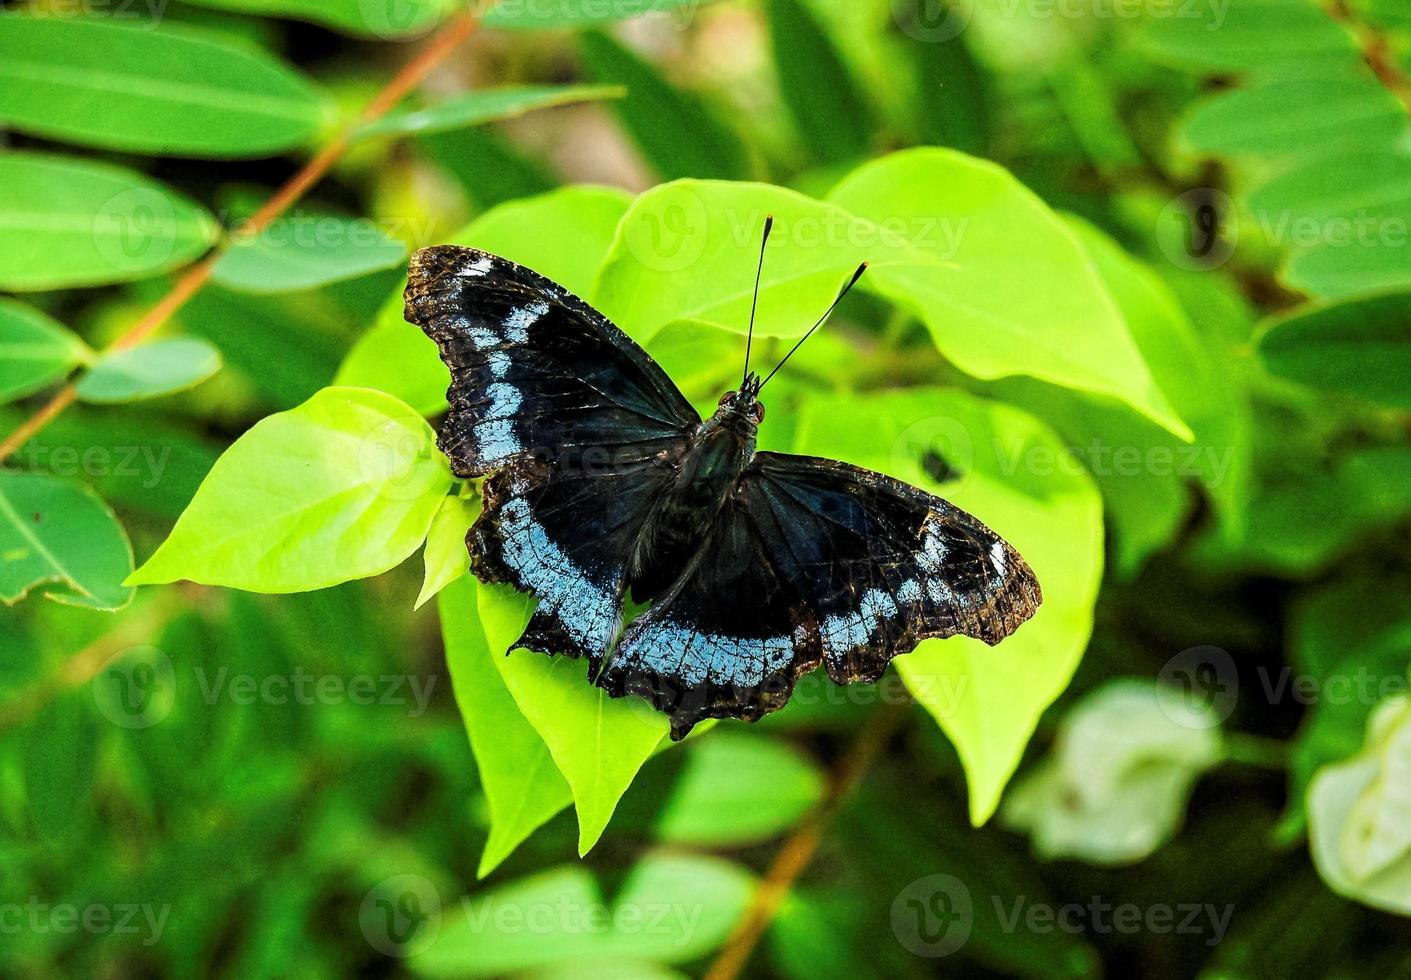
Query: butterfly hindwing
577,426
814,561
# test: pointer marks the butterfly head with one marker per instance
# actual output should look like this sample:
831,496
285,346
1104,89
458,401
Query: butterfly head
742,408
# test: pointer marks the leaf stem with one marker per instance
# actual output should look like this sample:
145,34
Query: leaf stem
796,854
412,74
1376,50
1254,750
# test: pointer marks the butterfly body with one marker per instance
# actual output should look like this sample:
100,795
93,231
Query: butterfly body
603,482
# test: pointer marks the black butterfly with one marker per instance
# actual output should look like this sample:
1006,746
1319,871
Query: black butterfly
602,478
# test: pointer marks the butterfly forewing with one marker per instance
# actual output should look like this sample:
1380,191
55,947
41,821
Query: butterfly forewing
578,425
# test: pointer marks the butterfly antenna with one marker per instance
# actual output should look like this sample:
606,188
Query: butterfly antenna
851,283
754,303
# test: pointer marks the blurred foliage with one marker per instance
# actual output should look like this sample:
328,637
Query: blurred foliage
1140,299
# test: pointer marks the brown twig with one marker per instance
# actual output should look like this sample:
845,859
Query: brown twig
412,74
796,854
1376,50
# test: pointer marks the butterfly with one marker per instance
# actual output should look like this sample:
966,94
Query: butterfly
602,482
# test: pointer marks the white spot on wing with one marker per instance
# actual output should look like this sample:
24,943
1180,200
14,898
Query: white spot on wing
519,321
499,364
479,267
997,558
587,611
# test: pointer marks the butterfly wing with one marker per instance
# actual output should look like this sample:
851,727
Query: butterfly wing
816,561
578,428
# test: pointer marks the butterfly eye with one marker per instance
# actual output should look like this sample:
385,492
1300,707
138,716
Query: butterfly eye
758,412
729,396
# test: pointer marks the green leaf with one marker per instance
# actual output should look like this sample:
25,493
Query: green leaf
52,530
598,742
345,486
738,789
827,107
1116,785
396,357
385,19
149,371
1335,271
67,222
1298,116
1345,217
446,555
1359,815
987,700
690,902
485,105
1355,653
521,782
580,13
676,133
35,351
992,233
1251,34
305,252
1139,467
948,237
148,88
1360,347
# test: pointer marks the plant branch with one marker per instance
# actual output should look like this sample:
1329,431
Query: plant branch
1376,50
798,851
196,276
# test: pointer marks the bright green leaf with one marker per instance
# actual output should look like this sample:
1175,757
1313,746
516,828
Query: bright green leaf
598,742
992,235
738,788
1140,468
988,700
149,370
35,351
345,486
1003,286
1361,347
305,252
67,222
700,899
52,530
521,782
485,105
396,357
446,555
147,88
